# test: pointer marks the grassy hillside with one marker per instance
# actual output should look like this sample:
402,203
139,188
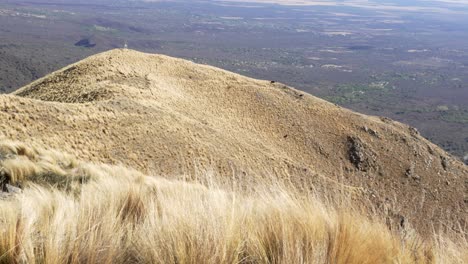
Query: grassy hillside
175,162
174,118
71,211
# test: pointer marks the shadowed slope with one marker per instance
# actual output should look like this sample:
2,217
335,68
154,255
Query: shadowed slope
175,118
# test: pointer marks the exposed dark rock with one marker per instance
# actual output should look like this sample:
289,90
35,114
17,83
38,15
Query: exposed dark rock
410,173
3,180
430,150
413,131
402,221
371,131
360,155
444,162
386,120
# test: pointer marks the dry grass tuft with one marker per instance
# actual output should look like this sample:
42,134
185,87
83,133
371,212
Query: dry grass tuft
122,216
20,165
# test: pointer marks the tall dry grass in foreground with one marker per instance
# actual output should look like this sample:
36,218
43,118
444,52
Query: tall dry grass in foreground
117,215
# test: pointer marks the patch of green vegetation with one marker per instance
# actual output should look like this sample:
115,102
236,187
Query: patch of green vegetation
455,116
415,109
403,76
356,93
447,113
104,29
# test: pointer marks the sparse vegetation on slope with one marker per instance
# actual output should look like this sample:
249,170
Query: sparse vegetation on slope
122,216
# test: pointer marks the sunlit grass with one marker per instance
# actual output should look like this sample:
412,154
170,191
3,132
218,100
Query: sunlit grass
122,216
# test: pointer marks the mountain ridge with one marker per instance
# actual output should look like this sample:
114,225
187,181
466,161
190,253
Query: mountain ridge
172,117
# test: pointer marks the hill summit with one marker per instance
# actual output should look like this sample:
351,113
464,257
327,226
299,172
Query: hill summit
174,118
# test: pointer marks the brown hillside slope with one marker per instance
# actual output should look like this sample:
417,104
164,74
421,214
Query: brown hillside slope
172,117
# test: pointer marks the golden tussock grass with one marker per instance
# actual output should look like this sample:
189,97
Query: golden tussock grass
121,216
